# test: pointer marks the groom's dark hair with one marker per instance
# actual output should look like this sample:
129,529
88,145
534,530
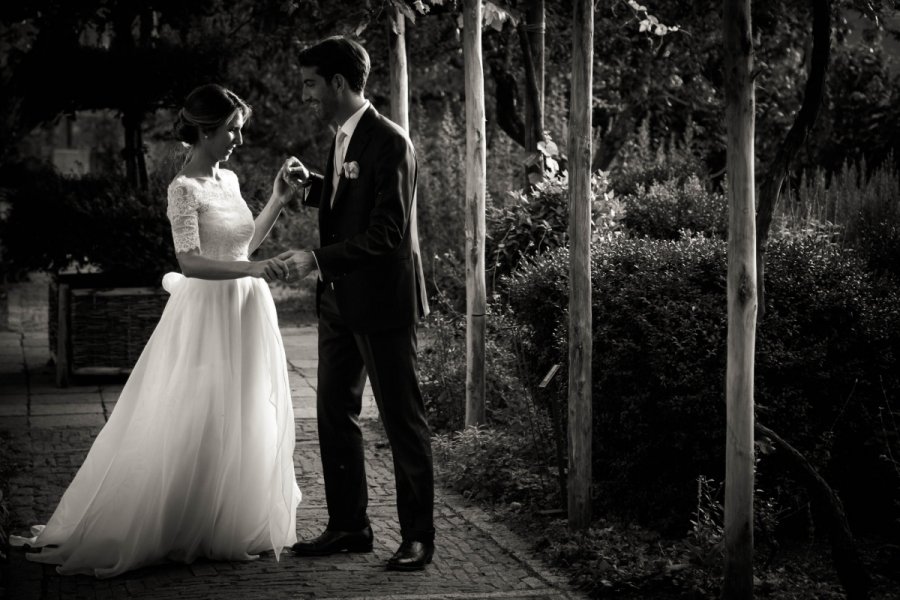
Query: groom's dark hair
338,56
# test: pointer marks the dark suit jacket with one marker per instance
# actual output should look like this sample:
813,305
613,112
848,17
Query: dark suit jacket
369,240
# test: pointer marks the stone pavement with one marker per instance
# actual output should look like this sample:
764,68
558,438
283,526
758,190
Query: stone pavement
50,430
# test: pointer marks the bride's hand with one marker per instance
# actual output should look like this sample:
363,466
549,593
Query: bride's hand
270,270
293,175
282,187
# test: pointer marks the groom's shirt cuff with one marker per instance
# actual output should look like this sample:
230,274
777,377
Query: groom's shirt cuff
316,260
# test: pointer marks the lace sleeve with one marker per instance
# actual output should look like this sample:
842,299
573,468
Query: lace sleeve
183,209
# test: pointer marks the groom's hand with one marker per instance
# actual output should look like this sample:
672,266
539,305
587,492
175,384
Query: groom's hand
300,262
296,173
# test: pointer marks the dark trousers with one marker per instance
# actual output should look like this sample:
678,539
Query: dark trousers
389,358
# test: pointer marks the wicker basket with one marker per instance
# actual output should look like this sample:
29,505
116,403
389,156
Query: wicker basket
101,330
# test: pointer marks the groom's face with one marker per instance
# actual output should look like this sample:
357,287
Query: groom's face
319,94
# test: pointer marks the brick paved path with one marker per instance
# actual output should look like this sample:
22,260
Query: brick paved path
50,431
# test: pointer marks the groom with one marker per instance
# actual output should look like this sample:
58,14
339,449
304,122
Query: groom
369,298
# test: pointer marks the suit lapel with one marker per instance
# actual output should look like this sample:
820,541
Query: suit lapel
329,176
358,142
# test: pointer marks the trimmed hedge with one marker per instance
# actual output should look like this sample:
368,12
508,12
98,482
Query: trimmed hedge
827,358
56,221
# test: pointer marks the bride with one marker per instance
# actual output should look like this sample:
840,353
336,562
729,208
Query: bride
197,457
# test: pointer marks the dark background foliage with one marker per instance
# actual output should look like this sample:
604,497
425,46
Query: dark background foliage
827,348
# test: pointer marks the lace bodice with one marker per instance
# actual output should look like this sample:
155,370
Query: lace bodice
210,216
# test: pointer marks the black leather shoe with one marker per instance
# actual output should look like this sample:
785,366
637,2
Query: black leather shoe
411,556
332,542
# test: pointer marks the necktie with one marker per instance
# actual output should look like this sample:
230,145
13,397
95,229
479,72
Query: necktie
338,162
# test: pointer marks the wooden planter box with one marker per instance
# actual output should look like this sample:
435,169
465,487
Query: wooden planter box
99,328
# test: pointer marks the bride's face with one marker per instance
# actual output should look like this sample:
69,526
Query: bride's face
222,142
318,94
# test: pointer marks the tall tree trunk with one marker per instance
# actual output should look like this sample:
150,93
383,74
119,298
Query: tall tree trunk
476,175
770,189
579,489
739,116
399,73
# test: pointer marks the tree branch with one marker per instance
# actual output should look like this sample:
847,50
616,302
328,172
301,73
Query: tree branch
532,93
614,137
850,569
777,172
506,95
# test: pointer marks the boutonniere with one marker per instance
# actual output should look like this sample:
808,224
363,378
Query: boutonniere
351,170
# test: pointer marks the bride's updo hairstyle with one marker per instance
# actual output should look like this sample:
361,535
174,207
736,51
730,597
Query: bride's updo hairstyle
206,109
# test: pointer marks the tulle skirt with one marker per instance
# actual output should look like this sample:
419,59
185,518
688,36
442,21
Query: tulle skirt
196,459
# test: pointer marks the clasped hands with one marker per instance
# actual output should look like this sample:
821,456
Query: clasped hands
291,265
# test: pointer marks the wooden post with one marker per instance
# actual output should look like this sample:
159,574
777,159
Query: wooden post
399,74
579,488
739,115
476,175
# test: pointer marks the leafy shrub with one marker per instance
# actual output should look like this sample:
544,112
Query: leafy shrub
827,355
55,221
442,372
643,163
612,559
861,211
669,207
861,114
616,560
532,221
536,220
492,465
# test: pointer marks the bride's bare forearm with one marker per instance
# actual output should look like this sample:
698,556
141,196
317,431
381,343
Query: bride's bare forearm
264,222
200,267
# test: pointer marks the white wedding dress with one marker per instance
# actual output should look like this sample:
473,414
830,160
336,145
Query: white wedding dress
197,457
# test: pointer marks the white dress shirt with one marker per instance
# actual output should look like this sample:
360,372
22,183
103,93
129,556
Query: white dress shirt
340,152
342,141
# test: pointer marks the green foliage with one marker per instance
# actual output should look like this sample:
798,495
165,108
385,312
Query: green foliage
490,464
615,560
537,220
439,135
612,559
669,208
442,372
829,345
860,119
854,209
55,222
643,162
